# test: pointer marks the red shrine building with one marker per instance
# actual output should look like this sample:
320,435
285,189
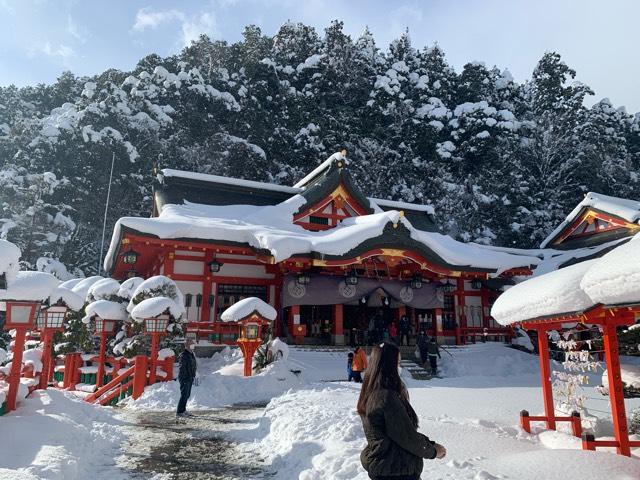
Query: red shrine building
323,253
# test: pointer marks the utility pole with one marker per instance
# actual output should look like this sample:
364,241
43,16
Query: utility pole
106,209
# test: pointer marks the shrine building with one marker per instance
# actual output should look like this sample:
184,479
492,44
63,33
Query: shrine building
325,255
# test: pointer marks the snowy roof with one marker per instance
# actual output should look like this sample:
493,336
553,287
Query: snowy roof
68,297
246,307
271,228
30,286
611,279
167,172
319,169
628,210
403,205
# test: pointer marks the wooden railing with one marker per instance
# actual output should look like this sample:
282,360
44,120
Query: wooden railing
134,378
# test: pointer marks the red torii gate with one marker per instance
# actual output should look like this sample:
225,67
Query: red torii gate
609,317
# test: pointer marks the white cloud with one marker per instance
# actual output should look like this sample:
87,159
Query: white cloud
193,28
148,18
62,51
79,33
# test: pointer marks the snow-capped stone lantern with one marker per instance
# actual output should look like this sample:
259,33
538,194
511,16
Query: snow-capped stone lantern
252,315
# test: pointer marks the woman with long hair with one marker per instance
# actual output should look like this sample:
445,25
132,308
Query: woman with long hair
395,448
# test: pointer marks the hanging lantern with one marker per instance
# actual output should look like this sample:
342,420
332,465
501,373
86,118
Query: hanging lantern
214,266
416,283
211,300
363,300
476,284
351,278
130,257
303,279
188,298
447,287
386,301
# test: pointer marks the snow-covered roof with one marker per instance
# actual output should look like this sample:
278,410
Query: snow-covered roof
167,172
403,205
68,297
30,286
271,228
628,210
319,169
611,279
246,307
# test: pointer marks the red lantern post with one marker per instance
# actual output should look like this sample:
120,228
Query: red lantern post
156,327
104,328
50,320
20,316
250,339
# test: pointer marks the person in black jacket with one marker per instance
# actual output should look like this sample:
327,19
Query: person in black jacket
186,375
395,448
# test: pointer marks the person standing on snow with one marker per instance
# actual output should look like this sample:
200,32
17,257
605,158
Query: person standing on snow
423,347
186,375
433,351
395,449
359,364
404,330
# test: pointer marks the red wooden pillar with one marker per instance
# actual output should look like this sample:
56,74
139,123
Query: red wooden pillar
461,317
337,328
616,395
102,359
206,288
437,327
155,340
545,377
45,374
139,376
16,368
297,330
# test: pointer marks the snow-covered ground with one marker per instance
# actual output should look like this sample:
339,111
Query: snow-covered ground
309,429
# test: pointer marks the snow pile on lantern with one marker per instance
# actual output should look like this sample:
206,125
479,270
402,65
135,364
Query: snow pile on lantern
242,309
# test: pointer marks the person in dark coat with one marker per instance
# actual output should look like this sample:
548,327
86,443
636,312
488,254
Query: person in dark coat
433,352
404,329
423,346
186,375
395,449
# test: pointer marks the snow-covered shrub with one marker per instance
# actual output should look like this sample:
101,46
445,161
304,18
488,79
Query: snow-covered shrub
634,421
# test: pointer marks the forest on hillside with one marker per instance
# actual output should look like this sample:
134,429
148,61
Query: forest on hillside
502,162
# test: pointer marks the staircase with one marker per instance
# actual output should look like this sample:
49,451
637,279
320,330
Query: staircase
415,370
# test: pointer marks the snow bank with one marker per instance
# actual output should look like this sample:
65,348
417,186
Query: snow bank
246,307
630,376
488,360
222,384
54,436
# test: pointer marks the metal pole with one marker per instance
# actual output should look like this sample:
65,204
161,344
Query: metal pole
106,209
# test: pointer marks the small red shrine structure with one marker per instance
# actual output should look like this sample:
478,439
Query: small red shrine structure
320,252
603,292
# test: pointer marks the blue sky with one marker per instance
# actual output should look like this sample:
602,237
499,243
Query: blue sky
41,38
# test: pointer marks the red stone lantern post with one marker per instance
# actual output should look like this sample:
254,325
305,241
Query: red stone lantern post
21,316
50,320
250,339
156,327
104,328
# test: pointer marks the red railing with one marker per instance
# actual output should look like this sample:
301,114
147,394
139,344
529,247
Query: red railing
116,386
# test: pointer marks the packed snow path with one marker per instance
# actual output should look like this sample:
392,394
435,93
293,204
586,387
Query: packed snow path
195,448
